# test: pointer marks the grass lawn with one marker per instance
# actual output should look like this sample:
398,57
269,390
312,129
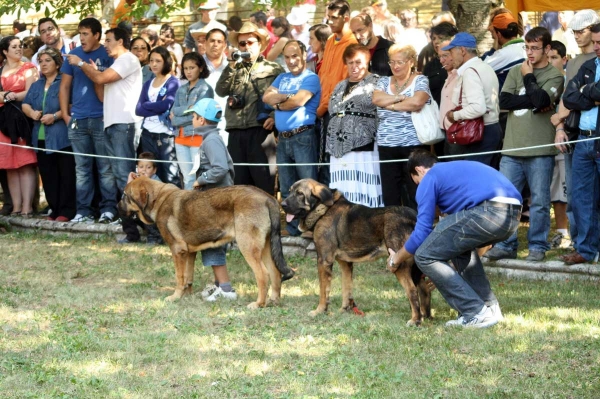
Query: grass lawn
84,318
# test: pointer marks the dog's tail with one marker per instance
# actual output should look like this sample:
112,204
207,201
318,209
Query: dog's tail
276,247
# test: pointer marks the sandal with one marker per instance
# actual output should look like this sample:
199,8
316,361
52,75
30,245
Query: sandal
27,215
15,214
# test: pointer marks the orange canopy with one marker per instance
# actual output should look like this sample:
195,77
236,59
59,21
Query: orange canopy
550,5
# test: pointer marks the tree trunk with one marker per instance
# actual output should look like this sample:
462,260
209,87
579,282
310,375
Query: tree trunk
108,10
472,16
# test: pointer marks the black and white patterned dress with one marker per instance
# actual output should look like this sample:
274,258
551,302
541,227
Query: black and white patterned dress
351,142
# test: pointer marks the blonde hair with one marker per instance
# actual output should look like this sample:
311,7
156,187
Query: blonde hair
408,50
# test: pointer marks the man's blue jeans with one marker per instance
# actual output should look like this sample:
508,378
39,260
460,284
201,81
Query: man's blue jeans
301,148
119,143
537,172
584,178
87,137
456,237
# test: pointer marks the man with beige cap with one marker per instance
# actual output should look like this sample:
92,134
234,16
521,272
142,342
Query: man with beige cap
209,11
249,123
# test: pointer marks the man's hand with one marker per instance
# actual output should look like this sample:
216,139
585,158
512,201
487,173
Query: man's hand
269,124
560,138
558,118
72,59
526,68
450,116
391,263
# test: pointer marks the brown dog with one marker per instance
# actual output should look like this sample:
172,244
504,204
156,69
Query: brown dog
190,221
348,233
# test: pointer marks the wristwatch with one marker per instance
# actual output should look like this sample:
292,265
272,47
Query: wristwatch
80,64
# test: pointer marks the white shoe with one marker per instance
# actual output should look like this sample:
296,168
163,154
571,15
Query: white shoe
106,217
485,318
220,293
79,218
456,323
208,290
496,311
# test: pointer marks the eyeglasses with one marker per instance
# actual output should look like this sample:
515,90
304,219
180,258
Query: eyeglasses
532,48
245,43
393,63
49,30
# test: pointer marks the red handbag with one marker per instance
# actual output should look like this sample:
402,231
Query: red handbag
466,131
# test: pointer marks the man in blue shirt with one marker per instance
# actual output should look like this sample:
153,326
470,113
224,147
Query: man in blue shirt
295,95
583,94
86,128
483,208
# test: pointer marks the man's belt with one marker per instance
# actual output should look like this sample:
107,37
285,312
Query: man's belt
587,133
289,133
505,205
342,113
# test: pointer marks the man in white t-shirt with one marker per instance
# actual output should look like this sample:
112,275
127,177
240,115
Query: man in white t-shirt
122,84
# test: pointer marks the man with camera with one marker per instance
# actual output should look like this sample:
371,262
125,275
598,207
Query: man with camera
249,123
295,95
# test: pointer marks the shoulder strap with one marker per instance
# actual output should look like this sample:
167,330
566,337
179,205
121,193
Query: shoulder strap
461,86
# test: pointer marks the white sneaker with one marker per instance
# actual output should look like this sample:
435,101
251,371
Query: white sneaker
496,311
106,217
208,290
485,318
456,323
79,218
220,293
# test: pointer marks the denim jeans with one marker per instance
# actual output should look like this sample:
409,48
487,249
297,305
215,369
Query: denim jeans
568,182
87,137
163,147
584,180
537,172
119,143
456,237
301,148
185,157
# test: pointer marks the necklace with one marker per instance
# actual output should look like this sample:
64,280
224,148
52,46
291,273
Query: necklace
399,88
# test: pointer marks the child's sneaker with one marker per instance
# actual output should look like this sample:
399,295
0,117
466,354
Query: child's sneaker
208,290
220,293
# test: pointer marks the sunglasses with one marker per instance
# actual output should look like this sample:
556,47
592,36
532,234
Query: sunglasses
244,43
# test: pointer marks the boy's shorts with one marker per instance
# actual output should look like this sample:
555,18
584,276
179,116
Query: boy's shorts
214,256
558,188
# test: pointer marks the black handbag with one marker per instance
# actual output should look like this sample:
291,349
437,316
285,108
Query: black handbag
572,125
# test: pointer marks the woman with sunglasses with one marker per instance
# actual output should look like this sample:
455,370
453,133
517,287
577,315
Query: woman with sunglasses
141,49
396,97
16,78
50,133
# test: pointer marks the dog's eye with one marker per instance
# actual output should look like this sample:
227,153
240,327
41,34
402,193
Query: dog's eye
299,193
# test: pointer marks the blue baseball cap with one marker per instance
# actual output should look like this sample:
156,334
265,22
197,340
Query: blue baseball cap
462,39
208,109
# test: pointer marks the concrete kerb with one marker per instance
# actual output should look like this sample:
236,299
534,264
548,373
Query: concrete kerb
511,268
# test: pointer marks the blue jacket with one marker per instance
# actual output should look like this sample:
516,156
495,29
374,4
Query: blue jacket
162,105
56,134
185,99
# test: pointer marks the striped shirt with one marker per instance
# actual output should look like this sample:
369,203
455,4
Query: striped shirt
395,127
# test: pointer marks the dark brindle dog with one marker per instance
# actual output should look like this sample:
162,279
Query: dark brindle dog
190,221
349,233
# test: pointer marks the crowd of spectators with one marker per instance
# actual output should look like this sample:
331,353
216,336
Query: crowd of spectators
342,93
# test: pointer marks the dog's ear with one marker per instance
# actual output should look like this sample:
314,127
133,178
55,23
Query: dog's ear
323,193
144,197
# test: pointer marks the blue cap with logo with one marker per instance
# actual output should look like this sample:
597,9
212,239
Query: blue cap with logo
462,39
207,108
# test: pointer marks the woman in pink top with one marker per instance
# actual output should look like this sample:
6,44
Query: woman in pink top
20,163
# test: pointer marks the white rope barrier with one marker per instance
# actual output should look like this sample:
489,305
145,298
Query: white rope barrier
306,164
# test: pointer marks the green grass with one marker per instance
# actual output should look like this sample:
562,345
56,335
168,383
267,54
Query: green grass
85,318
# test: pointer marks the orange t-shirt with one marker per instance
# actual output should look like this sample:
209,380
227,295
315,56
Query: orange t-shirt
190,141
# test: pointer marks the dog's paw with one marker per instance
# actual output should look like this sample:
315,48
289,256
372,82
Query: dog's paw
316,312
172,298
255,305
413,323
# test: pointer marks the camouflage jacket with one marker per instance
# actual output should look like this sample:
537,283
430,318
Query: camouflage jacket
245,78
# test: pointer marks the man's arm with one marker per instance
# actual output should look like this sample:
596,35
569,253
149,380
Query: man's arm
574,99
107,76
64,95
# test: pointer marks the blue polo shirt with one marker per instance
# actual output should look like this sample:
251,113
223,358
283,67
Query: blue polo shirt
83,96
589,118
286,83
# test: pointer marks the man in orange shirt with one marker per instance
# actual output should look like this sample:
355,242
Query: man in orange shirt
333,69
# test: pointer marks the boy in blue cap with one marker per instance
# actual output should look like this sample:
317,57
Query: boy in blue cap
215,170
